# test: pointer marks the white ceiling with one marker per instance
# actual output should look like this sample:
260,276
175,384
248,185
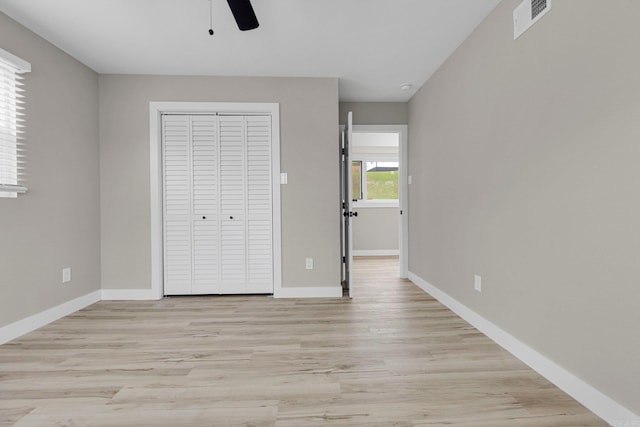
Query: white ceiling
372,46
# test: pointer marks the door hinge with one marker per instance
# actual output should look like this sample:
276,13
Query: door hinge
344,259
343,151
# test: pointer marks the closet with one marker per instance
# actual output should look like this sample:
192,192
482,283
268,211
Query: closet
217,204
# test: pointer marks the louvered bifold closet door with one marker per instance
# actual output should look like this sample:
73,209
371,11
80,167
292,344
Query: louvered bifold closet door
259,205
218,221
204,152
176,161
233,243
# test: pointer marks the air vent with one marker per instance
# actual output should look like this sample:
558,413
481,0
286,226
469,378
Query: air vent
527,14
537,7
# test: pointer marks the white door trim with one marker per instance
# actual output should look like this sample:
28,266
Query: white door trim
156,109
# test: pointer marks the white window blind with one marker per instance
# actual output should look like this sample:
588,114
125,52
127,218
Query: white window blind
11,124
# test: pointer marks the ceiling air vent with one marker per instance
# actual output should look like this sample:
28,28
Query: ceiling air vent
527,14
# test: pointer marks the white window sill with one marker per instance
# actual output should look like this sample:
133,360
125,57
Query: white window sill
375,204
11,191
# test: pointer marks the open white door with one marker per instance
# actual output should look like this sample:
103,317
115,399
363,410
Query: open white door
347,205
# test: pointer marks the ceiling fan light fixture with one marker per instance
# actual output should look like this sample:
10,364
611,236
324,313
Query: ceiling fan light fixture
244,15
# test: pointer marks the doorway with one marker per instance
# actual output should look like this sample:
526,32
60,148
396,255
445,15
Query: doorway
378,214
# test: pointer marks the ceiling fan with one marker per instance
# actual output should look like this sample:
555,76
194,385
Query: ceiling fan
242,12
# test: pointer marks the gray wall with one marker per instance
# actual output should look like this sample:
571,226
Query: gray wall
376,229
56,224
524,156
375,113
310,201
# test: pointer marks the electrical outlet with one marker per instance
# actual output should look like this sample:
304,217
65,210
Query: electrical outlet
477,283
66,275
309,263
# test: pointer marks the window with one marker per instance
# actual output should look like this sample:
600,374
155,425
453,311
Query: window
375,181
375,168
11,123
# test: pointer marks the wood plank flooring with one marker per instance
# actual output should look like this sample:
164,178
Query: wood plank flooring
392,356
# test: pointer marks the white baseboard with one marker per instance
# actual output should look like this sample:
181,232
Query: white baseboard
31,323
376,252
128,294
311,292
597,402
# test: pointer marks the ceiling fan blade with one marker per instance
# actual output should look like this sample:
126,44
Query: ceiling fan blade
244,14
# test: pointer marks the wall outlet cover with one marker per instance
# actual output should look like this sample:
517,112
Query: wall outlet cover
66,275
477,283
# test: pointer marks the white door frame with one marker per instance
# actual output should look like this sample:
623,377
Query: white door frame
156,109
403,206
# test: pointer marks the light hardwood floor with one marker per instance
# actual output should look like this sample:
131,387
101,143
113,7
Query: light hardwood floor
393,356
